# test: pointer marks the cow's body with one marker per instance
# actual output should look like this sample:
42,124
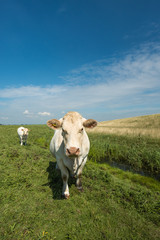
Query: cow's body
70,145
23,134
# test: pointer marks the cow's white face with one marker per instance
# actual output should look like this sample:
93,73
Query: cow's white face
25,131
72,129
72,132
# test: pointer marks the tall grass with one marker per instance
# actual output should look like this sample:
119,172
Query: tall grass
140,153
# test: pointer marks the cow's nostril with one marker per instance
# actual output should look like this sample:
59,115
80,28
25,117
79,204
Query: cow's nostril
68,152
77,151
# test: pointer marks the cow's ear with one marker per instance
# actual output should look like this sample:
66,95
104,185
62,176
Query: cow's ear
90,123
54,124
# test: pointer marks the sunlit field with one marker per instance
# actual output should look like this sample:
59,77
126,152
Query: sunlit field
148,126
115,204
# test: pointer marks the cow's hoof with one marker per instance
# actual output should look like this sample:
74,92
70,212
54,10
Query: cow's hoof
80,189
65,196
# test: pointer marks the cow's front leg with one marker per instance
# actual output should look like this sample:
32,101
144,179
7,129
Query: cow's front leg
79,182
65,176
65,189
79,175
21,139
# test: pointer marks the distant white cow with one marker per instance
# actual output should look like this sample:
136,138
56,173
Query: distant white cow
70,145
23,134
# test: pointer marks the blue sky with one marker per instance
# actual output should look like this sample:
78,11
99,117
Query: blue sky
98,57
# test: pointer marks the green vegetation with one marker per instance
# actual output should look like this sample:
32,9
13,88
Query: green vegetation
140,153
114,205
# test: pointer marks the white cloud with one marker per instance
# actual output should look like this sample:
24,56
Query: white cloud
30,91
29,114
3,104
44,113
34,115
4,118
26,112
127,84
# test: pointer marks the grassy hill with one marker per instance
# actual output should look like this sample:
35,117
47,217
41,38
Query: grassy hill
115,204
144,125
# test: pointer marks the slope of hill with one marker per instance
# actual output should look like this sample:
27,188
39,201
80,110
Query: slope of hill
144,125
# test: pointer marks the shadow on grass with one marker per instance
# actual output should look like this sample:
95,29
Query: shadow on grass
55,181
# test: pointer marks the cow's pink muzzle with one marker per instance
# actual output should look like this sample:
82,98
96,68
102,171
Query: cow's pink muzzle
72,152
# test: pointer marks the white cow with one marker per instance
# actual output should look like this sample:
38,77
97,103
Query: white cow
23,134
70,145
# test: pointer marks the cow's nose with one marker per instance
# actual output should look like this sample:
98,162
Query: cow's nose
73,151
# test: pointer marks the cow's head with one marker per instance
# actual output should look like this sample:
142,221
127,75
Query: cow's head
25,131
72,127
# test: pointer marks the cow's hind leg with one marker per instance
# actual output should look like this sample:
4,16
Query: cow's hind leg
57,167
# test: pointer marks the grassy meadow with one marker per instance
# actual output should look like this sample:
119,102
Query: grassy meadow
115,204
148,126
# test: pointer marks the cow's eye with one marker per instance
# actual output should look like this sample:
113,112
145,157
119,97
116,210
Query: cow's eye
81,130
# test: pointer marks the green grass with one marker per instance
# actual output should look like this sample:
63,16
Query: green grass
114,205
140,153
